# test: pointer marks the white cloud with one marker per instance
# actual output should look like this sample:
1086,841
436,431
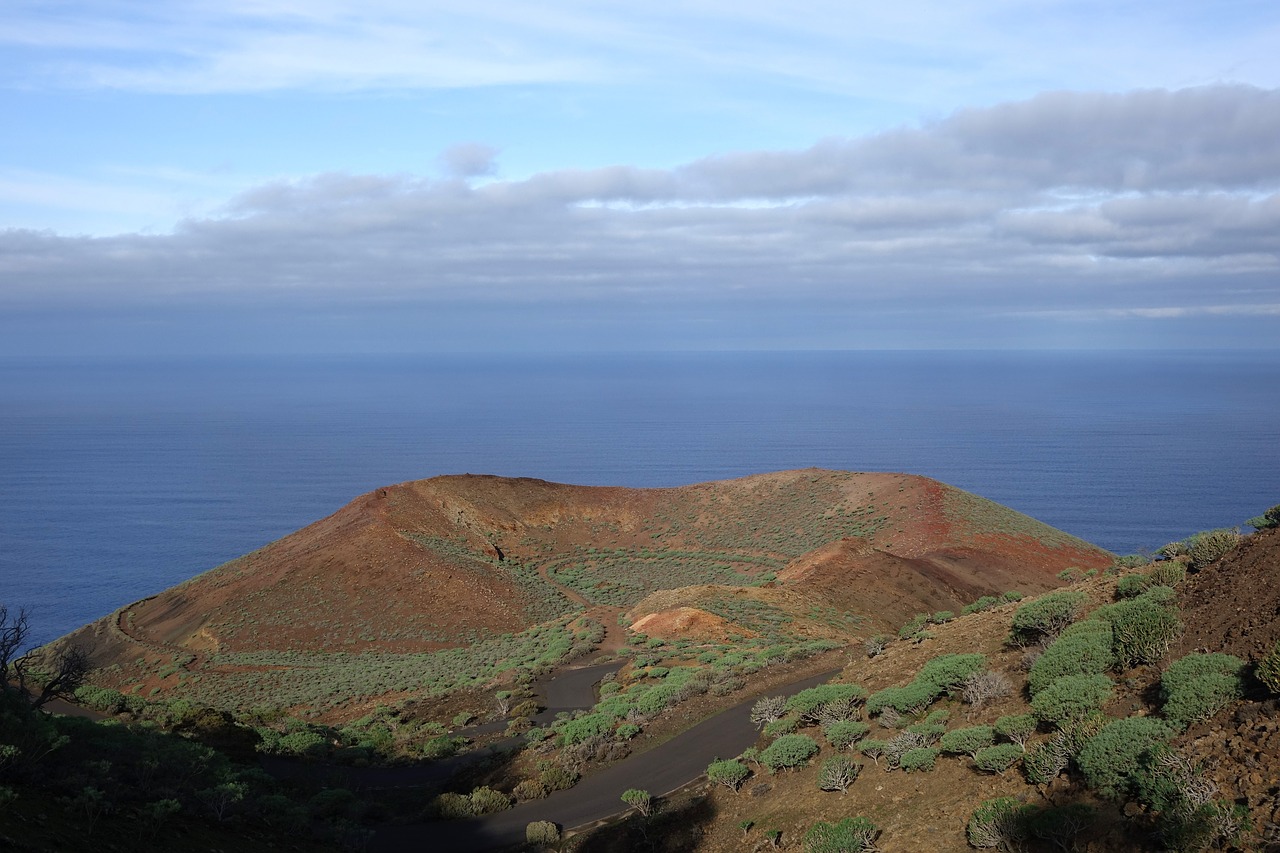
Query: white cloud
1025,207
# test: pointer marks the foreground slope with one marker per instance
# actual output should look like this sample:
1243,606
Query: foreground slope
489,573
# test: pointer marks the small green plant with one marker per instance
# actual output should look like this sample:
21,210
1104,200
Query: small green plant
1142,628
967,741
1269,519
997,823
542,833
1132,586
998,758
1209,545
1016,728
1084,649
788,751
486,800
844,733
730,774
985,603
1268,670
638,800
1046,617
850,835
920,758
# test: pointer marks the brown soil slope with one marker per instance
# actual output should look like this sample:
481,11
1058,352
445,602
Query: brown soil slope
1233,605
437,563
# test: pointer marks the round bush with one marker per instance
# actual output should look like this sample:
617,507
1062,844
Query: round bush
1046,616
851,835
844,733
1016,727
729,773
1109,757
1083,650
1132,586
1142,628
920,758
997,759
1268,670
789,751
967,741
1071,697
1209,545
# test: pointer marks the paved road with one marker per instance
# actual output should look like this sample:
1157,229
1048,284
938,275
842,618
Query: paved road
659,771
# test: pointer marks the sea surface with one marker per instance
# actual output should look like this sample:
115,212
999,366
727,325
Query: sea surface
118,480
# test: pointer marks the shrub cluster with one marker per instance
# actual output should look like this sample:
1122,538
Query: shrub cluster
1209,545
1142,628
1083,649
850,835
1071,697
1007,824
1268,670
940,675
1109,758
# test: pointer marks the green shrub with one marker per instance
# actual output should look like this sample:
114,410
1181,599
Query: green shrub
1209,545
451,806
907,699
542,833
788,751
557,778
1168,573
1108,759
1016,728
947,672
626,731
850,835
920,758
1044,762
807,703
583,728
529,789
967,741
638,800
1011,595
782,726
1268,670
844,733
1197,686
1142,628
1071,697
997,759
1269,519
913,627
1131,586
1085,649
997,823
729,773
873,748
985,603
485,800
1046,616
942,616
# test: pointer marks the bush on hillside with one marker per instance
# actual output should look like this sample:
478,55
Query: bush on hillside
997,823
998,758
788,751
1170,573
845,733
1071,697
1016,728
1269,519
1109,758
985,603
1132,586
542,833
982,687
1084,649
808,704
850,835
921,758
1210,545
1046,617
782,726
1142,628
838,773
1268,670
967,741
1197,686
729,773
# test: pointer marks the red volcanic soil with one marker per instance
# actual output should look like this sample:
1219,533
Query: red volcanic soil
443,562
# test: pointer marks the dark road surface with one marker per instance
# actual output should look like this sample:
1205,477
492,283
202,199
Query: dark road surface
659,771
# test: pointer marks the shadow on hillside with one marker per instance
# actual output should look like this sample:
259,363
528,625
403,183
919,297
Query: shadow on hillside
668,830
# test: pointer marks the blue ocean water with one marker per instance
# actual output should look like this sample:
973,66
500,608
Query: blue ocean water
118,480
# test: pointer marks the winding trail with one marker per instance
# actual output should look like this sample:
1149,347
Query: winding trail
661,770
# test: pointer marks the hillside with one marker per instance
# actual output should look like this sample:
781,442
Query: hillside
444,584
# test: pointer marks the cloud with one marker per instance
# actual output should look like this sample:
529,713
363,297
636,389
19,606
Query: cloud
469,160
1065,202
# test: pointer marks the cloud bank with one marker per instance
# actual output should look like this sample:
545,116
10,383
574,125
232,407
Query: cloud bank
1145,204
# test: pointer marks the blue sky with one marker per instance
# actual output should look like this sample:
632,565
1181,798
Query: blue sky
308,176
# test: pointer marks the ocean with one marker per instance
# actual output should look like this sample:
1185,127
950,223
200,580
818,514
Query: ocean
120,479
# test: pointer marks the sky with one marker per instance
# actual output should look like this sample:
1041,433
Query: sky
248,177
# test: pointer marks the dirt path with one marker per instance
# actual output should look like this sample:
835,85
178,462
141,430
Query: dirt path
659,771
